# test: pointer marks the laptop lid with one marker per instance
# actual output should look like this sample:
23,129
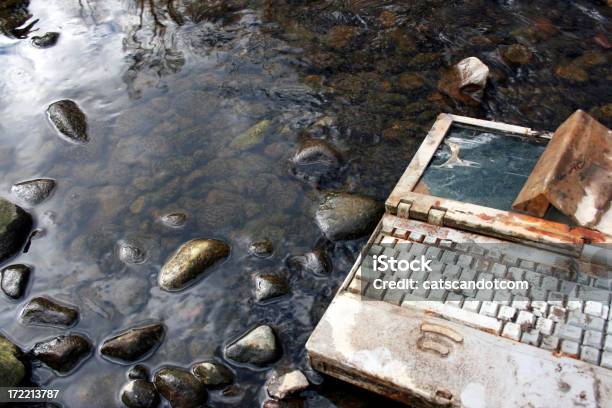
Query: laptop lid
468,172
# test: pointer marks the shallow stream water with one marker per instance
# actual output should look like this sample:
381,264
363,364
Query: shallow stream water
168,86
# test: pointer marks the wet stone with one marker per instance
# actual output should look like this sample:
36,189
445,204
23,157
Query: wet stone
123,295
316,159
12,370
258,346
130,252
69,120
261,249
282,386
45,41
14,280
43,311
190,261
138,372
139,394
133,344
268,286
15,226
517,54
174,220
212,374
62,353
33,192
316,262
344,216
181,388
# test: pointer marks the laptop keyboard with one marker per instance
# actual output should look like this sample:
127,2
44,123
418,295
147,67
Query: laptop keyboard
563,310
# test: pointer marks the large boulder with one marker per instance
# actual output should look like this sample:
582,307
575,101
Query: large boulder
258,347
69,120
15,226
348,216
12,369
190,261
62,353
181,388
133,344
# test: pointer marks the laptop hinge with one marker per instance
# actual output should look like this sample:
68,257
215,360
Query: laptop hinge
426,213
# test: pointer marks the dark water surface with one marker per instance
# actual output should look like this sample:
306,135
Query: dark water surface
168,86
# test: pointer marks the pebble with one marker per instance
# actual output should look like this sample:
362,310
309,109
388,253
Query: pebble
287,384
212,374
62,353
15,279
181,388
343,216
139,394
261,249
45,41
174,220
69,120
42,311
133,344
190,261
33,192
130,252
316,262
257,346
269,285
138,372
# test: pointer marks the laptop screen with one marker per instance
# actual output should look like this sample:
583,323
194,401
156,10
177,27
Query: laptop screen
480,166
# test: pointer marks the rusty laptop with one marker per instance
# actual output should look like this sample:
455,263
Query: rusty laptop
457,300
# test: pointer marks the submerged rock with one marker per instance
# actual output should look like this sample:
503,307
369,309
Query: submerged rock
174,220
190,261
258,346
15,226
138,372
348,216
15,279
251,137
12,369
130,252
212,374
69,120
317,262
62,353
42,311
316,159
269,285
181,388
122,294
261,249
45,41
139,394
287,384
33,192
134,343
517,54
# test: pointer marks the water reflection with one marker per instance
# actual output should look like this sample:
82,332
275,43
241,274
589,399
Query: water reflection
172,91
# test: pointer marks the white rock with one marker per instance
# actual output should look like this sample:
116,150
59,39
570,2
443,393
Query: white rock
290,383
473,74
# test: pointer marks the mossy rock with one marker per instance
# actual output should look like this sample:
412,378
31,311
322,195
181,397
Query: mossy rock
252,137
12,369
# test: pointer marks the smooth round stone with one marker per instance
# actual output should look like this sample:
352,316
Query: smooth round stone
130,252
133,344
190,261
258,347
69,120
62,353
343,216
15,279
33,192
138,372
139,394
42,311
212,374
174,220
261,249
180,387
